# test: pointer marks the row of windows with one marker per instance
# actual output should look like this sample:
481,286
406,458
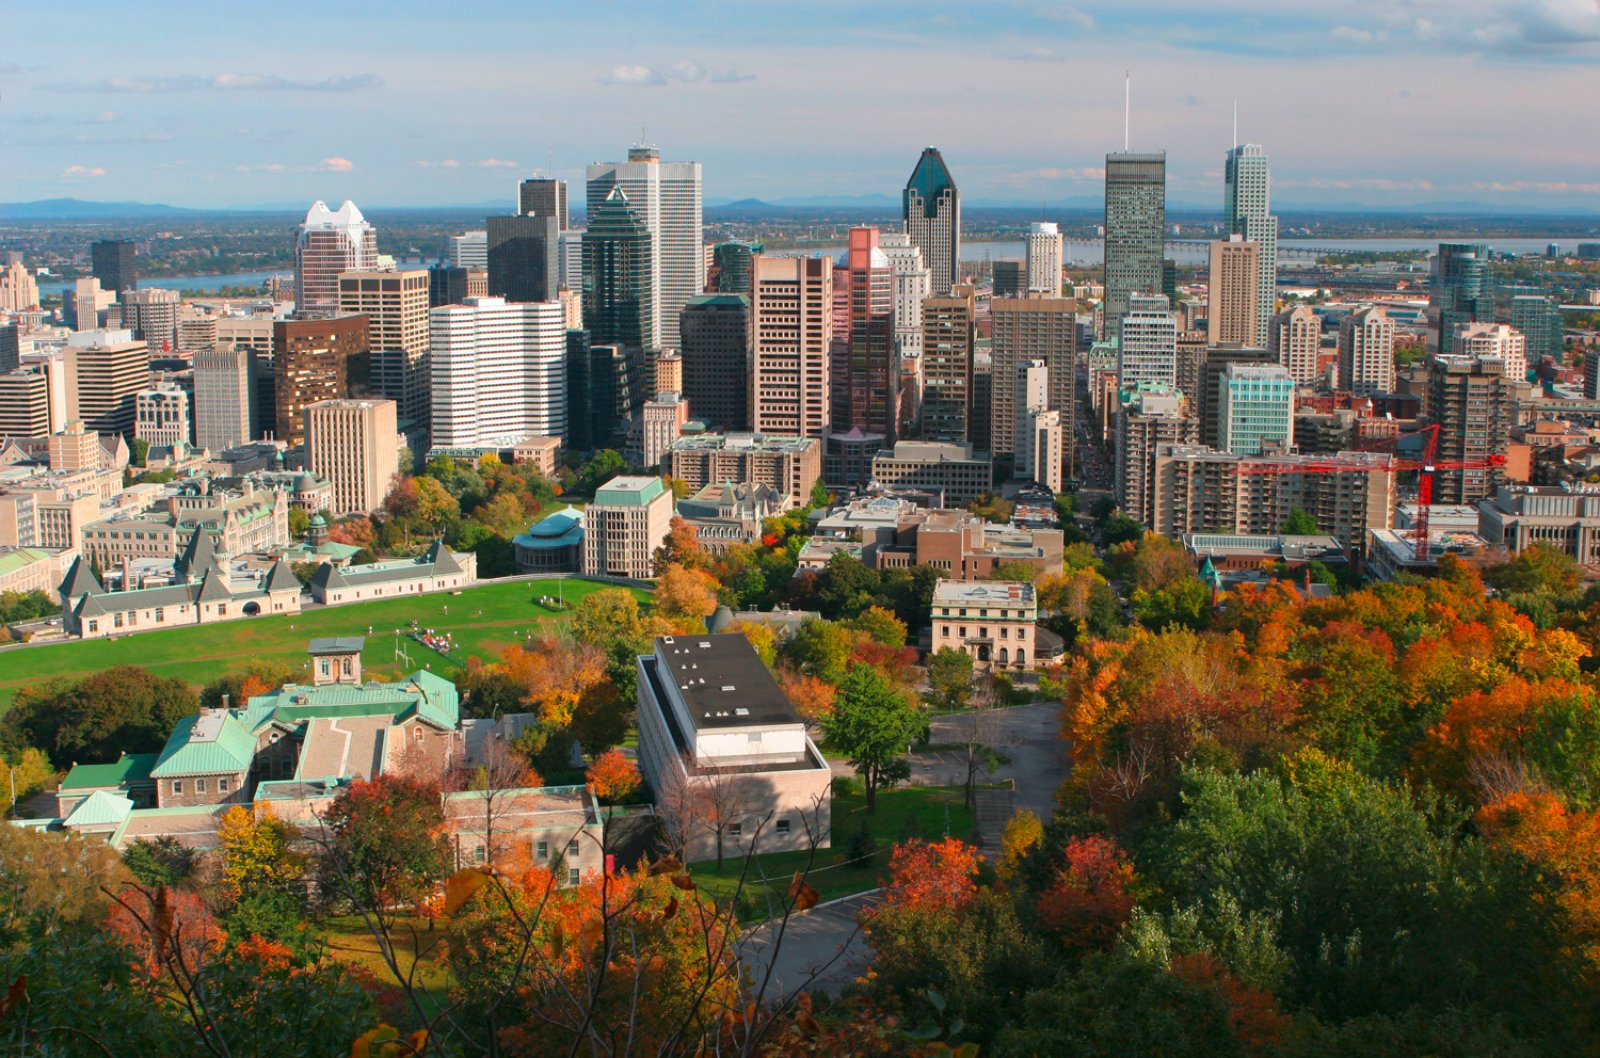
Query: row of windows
223,786
1004,632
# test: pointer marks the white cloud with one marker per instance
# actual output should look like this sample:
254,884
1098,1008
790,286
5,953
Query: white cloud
495,163
681,72
83,170
446,163
224,82
338,165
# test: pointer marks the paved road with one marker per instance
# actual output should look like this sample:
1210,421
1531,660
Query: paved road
820,950
1027,734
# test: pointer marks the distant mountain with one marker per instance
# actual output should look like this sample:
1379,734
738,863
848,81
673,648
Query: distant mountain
78,209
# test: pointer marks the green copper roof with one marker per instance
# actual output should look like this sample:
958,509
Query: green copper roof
99,809
20,558
206,744
422,693
930,179
628,492
130,768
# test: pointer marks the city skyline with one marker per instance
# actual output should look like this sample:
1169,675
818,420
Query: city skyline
237,118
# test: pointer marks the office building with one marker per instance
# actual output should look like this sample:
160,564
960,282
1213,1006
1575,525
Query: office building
1537,316
105,370
447,285
469,250
668,374
1494,341
866,367
499,372
1135,231
19,291
1041,449
1148,349
1565,517
355,447
524,258
732,262
395,304
1045,258
619,275
1473,402
1457,294
1366,352
790,466
1247,212
116,264
315,360
624,525
1025,330
949,341
222,403
10,347
931,206
714,726
330,242
1154,416
1295,342
991,620
661,424
955,471
912,285
1010,277
196,333
1235,274
161,417
1256,413
667,198
90,303
792,310
152,315
540,196
1205,403
25,405
715,332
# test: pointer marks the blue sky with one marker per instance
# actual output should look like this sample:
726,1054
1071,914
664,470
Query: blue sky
397,102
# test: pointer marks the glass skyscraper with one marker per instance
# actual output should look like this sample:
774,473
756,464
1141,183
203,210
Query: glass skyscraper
932,210
1458,274
1247,204
618,275
1136,221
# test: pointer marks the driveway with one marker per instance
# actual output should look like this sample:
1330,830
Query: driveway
821,950
1026,734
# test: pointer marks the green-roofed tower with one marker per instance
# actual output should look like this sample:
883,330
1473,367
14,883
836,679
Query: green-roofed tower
932,209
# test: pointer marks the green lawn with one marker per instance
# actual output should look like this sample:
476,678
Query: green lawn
485,621
350,940
909,812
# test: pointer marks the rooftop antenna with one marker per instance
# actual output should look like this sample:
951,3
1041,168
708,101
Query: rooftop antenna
1127,109
1235,142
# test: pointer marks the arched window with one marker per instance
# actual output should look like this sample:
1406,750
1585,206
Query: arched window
1003,656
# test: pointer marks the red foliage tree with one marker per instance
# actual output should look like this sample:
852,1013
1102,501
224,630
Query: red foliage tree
937,877
1089,902
614,776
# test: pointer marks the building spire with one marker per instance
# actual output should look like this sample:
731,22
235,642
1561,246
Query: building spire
1127,109
1235,142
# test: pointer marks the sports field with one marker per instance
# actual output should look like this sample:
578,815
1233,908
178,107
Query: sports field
484,620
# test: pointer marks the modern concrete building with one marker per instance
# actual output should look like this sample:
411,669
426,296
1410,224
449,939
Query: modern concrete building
1025,330
1010,277
1295,341
161,417
790,466
1565,517
912,284
105,370
624,525
953,470
1041,450
395,304
948,344
90,304
1135,231
715,332
793,318
931,207
667,197
499,372
469,251
1256,414
222,398
152,315
354,444
866,365
315,359
1155,416
1366,352
1148,349
25,403
330,242
661,424
729,759
1247,212
1045,258
1474,404
1235,274
1494,341
991,620
544,197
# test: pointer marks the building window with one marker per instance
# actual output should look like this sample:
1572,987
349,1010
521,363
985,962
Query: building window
199,786
222,786
781,826
480,854
735,830
963,631
572,847
947,630
573,876
161,614
1021,633
177,787
542,850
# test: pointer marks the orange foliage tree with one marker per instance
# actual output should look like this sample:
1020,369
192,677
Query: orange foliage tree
1538,827
614,776
811,697
1089,901
937,877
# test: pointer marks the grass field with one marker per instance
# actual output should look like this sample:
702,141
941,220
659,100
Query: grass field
928,812
485,620
350,940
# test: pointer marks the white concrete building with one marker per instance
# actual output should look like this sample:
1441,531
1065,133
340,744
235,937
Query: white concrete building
1044,258
330,242
1149,344
1494,341
1366,352
1247,211
469,250
161,417
498,372
993,620
1295,341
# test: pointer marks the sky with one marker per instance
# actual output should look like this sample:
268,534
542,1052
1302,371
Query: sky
1387,103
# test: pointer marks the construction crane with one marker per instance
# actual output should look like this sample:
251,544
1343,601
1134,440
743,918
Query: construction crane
1425,467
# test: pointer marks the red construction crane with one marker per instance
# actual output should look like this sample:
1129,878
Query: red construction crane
1426,467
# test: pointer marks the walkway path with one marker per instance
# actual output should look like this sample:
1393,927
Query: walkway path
820,950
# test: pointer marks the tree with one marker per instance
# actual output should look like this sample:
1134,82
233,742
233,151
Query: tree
820,649
605,465
58,877
950,677
258,853
163,860
614,776
493,784
873,723
434,506
1300,523
1119,528
138,452
1090,899
811,697
123,709
819,495
1016,570
685,597
1023,833
299,522
388,843
259,676
880,626
680,548
1539,570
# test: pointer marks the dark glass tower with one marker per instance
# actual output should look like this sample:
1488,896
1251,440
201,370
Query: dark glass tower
1458,291
116,265
618,281
544,198
1136,221
715,332
932,211
732,262
524,258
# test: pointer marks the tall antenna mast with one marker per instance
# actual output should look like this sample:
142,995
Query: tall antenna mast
1127,109
1235,142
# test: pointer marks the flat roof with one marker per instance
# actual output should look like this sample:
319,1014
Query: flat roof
983,591
724,682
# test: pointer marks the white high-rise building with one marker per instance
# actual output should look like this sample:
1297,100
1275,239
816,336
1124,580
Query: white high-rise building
330,242
152,315
18,290
570,258
667,197
1149,344
222,397
1366,352
912,283
1247,211
1494,341
499,372
1045,258
470,250
1296,342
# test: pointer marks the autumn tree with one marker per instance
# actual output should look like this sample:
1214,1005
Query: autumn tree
811,697
613,776
387,842
685,598
258,854
1023,833
258,676
950,677
682,547
821,649
1090,899
873,723
879,625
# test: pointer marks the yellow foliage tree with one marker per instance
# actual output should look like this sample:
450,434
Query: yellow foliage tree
257,852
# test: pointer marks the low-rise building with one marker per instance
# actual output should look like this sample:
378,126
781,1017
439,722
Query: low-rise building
1391,552
437,569
1231,552
960,474
791,466
553,544
624,525
1565,517
991,620
726,753
249,521
542,452
725,514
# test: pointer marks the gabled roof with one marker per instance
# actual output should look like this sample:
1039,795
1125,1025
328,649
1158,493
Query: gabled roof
206,744
442,558
99,809
129,768
80,581
282,578
198,556
214,588
328,576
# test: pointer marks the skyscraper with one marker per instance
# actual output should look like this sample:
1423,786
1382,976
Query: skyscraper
105,370
866,367
619,277
931,206
152,315
667,197
1149,344
116,264
1366,352
1458,292
732,260
222,403
524,258
949,339
499,372
544,197
715,331
354,446
1494,341
1010,277
1030,329
1044,258
19,291
1235,274
1296,342
912,283
330,242
1247,211
792,309
1135,226
10,347
1257,412
321,358
470,249
1474,404
396,307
